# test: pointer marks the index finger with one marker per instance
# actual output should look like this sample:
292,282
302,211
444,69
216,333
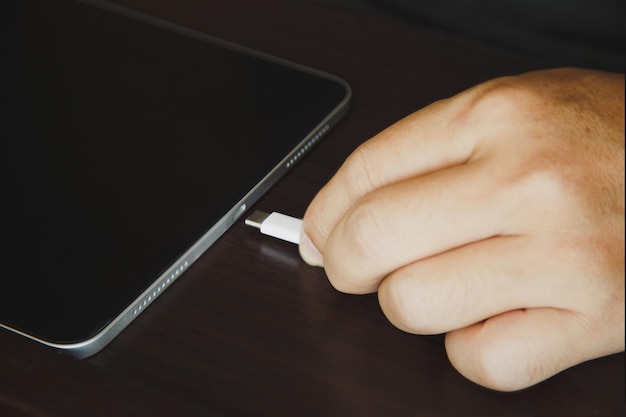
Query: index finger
422,142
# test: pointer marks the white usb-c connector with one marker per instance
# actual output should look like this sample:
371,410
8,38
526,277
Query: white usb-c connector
277,225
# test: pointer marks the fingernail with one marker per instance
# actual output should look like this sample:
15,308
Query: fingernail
309,252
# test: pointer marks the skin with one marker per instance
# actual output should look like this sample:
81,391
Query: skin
496,217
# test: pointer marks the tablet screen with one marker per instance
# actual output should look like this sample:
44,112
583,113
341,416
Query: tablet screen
125,143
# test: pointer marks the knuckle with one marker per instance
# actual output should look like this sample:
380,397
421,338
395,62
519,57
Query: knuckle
542,184
314,221
506,369
408,306
504,98
336,277
596,267
342,275
361,169
364,229
545,180
352,255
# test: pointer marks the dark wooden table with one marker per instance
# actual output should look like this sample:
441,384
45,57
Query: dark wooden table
250,330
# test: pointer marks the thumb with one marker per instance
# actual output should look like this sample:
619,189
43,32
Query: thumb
309,252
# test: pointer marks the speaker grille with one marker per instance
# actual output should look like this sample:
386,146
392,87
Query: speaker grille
159,287
307,146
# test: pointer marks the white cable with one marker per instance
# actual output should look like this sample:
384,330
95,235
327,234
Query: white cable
277,225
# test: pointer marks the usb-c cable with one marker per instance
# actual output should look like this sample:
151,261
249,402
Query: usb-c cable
277,225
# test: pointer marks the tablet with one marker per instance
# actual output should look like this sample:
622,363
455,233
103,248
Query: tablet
130,145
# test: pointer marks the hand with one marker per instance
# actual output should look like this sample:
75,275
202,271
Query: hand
495,216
